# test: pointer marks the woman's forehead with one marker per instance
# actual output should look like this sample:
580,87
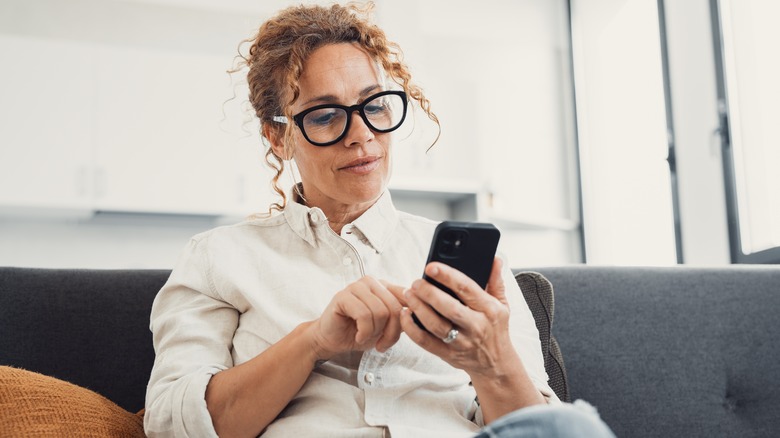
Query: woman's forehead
338,71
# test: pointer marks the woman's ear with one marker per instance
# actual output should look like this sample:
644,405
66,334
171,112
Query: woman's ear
275,135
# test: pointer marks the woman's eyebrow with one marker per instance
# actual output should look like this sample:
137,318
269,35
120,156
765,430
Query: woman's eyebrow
369,90
325,98
330,98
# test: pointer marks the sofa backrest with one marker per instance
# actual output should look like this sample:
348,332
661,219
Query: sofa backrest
91,327
88,327
674,351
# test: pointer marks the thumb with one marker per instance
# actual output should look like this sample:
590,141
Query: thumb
495,286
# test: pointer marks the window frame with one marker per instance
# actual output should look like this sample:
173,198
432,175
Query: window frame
767,256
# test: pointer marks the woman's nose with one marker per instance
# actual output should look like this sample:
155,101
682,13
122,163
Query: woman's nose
359,133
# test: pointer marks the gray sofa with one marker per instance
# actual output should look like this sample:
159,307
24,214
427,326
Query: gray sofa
660,352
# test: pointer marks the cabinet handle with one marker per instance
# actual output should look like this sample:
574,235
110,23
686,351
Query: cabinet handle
99,182
82,184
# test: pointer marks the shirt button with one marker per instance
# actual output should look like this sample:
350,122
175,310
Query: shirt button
347,261
369,378
316,216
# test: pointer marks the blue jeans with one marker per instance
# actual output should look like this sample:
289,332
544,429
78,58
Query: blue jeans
562,421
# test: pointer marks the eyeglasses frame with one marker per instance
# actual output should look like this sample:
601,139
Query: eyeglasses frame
298,118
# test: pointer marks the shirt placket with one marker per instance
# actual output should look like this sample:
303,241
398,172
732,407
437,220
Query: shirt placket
378,401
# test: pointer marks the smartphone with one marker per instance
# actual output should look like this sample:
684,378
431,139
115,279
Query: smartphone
469,247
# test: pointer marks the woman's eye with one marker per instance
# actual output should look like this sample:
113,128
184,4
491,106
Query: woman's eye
322,117
375,108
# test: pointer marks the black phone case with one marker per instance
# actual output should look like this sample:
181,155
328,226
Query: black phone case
469,247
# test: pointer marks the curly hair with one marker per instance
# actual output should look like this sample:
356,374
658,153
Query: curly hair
280,49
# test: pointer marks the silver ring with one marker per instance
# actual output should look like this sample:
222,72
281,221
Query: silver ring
451,336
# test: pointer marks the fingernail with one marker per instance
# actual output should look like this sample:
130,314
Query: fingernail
434,270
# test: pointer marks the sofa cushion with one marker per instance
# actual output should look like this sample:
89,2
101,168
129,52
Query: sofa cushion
538,293
33,404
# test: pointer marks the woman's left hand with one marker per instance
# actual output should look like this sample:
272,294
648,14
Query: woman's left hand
483,345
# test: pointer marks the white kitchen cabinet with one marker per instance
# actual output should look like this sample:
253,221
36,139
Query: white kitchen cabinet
160,146
46,109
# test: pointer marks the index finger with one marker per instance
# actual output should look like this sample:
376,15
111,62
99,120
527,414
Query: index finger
466,289
392,329
397,291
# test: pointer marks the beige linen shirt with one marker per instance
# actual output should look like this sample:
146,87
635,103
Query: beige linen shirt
237,290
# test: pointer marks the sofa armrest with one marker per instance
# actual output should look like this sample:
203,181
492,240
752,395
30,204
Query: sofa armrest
538,293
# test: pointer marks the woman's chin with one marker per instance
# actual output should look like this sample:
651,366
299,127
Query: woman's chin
368,193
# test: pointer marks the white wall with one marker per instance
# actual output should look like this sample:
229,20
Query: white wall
102,241
626,186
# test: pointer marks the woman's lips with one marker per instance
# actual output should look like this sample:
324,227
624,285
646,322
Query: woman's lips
362,166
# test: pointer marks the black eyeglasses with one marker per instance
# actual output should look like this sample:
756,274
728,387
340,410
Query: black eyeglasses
325,125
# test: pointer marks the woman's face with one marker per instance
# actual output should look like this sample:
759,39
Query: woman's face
350,175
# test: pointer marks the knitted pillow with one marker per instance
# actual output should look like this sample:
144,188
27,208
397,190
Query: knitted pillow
33,404
538,293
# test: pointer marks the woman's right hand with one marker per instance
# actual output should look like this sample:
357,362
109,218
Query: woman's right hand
364,315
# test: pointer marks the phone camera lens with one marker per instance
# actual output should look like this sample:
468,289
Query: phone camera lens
452,243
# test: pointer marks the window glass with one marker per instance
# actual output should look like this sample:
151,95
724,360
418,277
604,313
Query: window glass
751,57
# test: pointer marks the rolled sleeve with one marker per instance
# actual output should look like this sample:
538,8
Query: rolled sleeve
192,333
180,409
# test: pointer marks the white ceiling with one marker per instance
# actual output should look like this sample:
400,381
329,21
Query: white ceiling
260,7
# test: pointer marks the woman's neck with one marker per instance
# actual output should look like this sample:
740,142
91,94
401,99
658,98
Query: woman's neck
338,215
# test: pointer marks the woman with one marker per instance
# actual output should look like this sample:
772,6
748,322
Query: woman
299,324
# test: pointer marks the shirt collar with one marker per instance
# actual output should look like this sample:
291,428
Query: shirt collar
376,224
302,218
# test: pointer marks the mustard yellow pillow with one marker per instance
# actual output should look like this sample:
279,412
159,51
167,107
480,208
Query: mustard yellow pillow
35,405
